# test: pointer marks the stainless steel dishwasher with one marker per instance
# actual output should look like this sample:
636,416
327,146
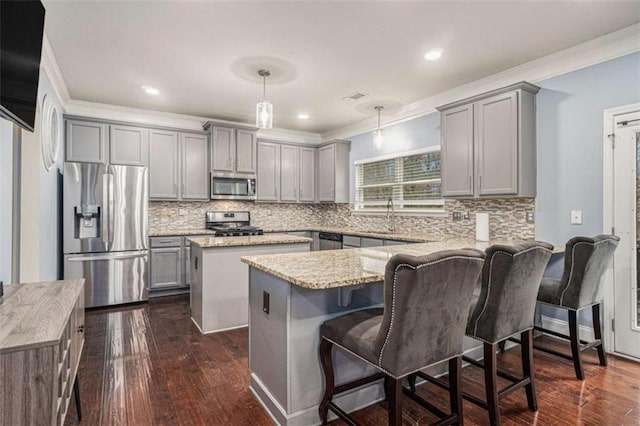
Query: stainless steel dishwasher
329,241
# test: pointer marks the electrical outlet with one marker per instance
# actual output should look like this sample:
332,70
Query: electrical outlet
576,217
269,212
530,217
457,216
465,215
182,212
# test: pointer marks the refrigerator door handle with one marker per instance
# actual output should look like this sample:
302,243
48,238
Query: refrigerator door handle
110,256
110,216
104,220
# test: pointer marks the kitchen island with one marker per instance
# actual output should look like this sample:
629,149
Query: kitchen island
219,280
290,296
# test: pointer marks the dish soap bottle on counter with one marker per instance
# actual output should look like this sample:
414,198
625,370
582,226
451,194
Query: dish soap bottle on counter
482,226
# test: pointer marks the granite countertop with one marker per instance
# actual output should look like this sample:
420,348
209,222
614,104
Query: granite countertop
180,232
253,240
340,268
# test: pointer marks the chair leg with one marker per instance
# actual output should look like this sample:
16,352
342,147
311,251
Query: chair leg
455,388
491,383
329,384
574,337
597,332
76,394
394,393
412,382
526,346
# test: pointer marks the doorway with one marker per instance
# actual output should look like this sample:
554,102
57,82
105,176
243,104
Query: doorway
622,189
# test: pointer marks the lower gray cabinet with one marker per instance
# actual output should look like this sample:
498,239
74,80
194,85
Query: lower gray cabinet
186,270
166,268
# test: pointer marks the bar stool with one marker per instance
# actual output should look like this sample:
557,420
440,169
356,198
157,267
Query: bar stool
586,260
426,304
505,306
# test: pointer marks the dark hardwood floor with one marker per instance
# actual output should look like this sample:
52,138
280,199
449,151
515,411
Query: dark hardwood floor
148,364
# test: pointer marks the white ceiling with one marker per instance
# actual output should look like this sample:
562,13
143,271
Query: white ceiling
204,56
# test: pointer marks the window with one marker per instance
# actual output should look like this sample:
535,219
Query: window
410,179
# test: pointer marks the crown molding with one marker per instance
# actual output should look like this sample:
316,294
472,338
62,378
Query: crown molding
601,49
49,64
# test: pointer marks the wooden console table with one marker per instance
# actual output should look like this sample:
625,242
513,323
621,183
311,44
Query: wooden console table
41,340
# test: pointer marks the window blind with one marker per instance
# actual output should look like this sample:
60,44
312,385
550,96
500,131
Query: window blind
411,180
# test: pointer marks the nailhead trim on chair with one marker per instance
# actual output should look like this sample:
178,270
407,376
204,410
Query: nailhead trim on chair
393,298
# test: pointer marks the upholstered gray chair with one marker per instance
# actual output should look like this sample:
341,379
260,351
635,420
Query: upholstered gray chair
426,305
505,306
586,259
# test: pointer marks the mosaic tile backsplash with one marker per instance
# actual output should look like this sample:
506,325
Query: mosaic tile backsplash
507,217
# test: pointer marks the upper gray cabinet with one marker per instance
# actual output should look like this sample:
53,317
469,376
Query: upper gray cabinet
333,172
128,145
289,173
86,141
233,150
268,171
164,160
307,175
195,166
489,144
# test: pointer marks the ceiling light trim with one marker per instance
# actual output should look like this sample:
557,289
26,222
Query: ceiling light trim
592,52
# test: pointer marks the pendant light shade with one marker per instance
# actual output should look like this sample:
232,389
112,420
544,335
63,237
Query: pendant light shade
378,138
264,108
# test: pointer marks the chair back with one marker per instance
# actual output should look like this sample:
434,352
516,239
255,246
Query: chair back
585,261
426,305
511,278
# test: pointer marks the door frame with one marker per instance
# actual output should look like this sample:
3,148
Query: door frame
608,217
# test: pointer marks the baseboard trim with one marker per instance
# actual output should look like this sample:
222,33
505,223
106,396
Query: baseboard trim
560,326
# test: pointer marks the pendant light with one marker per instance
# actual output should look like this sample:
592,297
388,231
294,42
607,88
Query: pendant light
264,109
378,139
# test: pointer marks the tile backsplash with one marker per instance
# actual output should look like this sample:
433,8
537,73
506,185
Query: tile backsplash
507,217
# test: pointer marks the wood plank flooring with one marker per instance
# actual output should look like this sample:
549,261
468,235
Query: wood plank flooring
148,364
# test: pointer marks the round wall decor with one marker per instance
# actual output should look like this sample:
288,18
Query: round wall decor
51,133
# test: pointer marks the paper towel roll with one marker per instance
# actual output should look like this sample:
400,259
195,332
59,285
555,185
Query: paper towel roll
482,226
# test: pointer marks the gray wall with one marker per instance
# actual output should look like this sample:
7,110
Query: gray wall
6,177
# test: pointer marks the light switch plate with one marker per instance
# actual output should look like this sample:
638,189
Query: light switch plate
457,216
576,217
182,212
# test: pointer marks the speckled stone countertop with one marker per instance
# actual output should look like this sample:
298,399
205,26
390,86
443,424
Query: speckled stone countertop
340,268
396,236
253,240
181,232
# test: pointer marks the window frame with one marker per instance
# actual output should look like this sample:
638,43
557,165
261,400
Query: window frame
361,208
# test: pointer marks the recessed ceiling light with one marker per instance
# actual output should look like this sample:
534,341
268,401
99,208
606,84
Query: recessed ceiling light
150,90
433,55
303,116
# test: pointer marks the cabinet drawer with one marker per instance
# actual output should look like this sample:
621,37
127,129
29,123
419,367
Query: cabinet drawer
166,242
370,242
351,241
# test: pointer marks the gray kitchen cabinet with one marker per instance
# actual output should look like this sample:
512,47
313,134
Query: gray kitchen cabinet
222,149
457,151
128,145
164,163
267,180
245,152
195,166
233,150
288,173
186,271
371,242
333,172
394,243
307,175
489,144
166,268
351,241
86,141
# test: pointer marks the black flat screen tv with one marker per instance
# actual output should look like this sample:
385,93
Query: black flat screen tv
21,30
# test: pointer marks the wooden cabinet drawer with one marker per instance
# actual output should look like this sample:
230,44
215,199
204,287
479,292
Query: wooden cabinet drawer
158,242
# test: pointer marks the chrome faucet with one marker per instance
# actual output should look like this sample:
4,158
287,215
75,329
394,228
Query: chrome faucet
391,216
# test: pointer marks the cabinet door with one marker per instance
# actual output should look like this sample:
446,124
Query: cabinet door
166,268
288,173
307,175
163,165
326,173
457,151
128,145
195,167
268,171
245,155
497,144
186,281
223,141
86,141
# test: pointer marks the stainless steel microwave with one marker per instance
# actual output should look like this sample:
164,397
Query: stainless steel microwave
225,187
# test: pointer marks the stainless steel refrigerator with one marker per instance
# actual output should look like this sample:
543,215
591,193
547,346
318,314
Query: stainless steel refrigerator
105,231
